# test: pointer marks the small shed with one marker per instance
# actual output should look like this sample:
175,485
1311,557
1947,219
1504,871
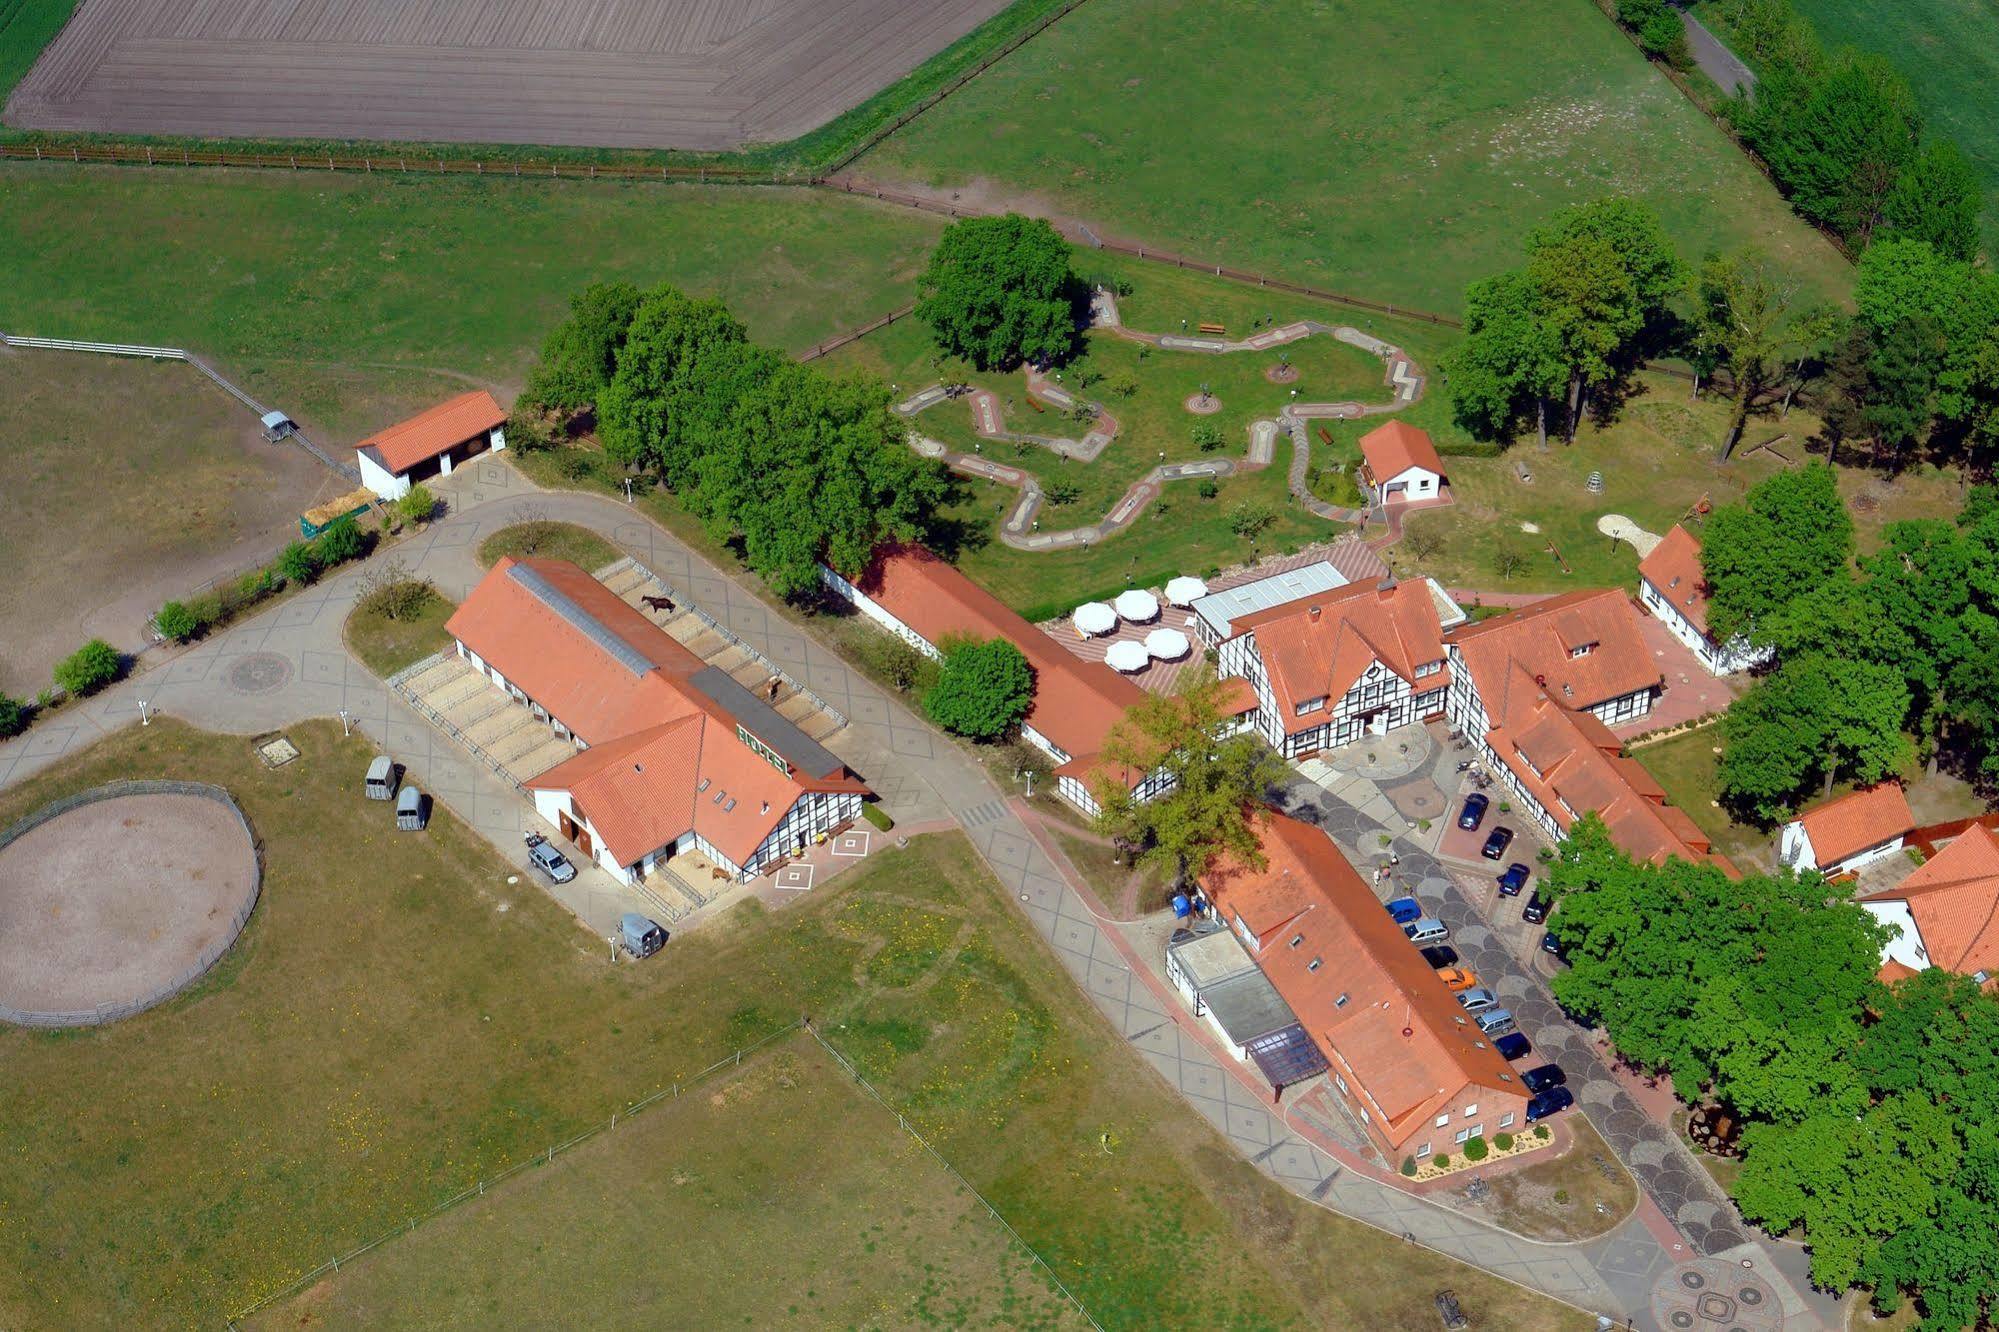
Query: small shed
1400,464
431,443
277,425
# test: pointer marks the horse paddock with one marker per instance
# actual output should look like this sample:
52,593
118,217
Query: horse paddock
118,899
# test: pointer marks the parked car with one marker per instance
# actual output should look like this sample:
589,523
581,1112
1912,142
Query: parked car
1536,909
1473,813
1496,1021
1477,999
1512,1046
1440,956
1515,878
1458,978
1427,930
1495,845
1552,1101
1405,909
1538,1080
551,862
1553,946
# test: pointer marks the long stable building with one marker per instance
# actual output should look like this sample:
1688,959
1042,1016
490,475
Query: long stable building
672,754
925,601
1412,1066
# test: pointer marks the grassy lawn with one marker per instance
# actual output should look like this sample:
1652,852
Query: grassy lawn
1948,50
27,26
124,483
1394,152
399,1020
1569,1198
385,646
351,300
1657,461
544,540
1108,873
915,1248
1686,766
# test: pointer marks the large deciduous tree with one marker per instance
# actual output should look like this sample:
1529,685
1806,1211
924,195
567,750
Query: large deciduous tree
1790,534
580,354
1937,199
1741,313
1813,718
983,690
999,290
1215,783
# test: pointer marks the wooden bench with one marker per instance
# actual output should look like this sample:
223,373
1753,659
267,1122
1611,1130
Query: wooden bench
1214,328
1035,403
1325,434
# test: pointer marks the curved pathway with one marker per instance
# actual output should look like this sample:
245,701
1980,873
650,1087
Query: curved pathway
303,670
1021,527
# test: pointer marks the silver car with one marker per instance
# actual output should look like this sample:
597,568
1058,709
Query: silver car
1477,999
550,861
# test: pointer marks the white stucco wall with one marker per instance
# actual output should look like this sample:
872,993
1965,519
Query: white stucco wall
1738,655
1907,945
380,481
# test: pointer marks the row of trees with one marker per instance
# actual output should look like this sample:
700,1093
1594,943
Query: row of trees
1904,642
1844,140
1869,1111
797,465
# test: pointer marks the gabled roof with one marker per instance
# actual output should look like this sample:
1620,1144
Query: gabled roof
1322,646
1674,567
1408,1043
1954,897
664,756
1076,702
1868,817
1393,449
1571,763
427,434
1544,638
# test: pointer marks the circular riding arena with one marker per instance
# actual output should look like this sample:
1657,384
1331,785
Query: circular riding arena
119,898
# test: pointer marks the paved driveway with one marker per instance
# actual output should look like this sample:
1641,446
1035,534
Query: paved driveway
289,664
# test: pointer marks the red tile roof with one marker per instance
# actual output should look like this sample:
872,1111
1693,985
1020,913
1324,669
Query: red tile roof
1854,822
1076,702
424,436
1320,646
1544,639
1237,696
1409,1045
1393,449
1674,567
627,689
1954,897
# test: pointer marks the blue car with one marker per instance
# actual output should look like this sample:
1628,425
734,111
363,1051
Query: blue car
1405,909
1473,813
1512,1046
1538,1080
1552,1101
1515,878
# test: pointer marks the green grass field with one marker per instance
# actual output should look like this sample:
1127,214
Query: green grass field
739,1176
27,26
385,646
349,300
1393,152
1949,51
399,1021
538,538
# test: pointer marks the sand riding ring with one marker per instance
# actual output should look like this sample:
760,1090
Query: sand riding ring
118,898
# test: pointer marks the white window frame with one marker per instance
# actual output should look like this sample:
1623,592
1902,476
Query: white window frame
1471,1110
1422,1151
1444,1120
1506,1120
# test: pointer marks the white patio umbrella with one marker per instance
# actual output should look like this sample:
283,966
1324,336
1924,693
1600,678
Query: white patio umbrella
1127,656
1094,617
1166,644
1186,590
1137,604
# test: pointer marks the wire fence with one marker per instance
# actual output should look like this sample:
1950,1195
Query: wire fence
544,1157
903,1123
210,954
402,683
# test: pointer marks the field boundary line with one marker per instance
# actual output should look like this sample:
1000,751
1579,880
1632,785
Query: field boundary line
902,1121
545,1156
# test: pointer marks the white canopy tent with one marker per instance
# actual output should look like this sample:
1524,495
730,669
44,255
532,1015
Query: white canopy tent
1128,656
1167,644
1094,617
1186,590
1137,604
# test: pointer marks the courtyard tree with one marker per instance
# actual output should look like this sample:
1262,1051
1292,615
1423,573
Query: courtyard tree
1213,783
1814,719
983,690
1789,534
580,355
999,290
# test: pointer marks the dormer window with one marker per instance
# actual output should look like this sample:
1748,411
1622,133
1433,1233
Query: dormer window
1314,964
1312,704
1429,668
1297,939
1582,650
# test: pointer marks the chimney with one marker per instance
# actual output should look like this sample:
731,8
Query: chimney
1314,613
